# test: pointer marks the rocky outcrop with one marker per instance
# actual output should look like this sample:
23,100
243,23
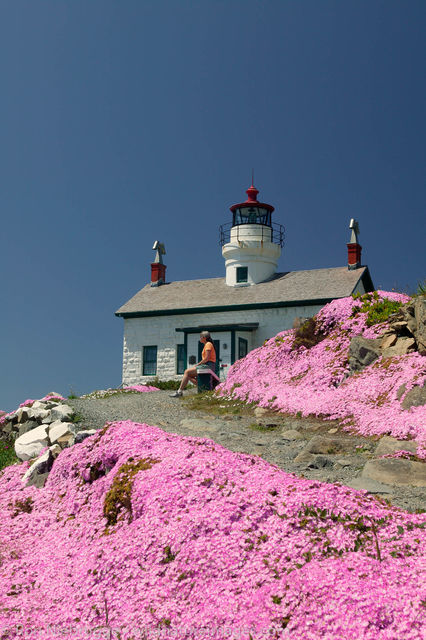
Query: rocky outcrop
396,471
416,397
406,333
45,424
363,352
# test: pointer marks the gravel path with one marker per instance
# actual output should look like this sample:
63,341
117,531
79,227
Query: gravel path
278,438
149,407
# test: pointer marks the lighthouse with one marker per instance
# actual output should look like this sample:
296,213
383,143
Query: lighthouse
251,243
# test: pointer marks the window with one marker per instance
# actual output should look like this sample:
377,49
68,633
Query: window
149,361
180,358
242,274
242,348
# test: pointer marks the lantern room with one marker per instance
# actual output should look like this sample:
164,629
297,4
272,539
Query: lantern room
251,211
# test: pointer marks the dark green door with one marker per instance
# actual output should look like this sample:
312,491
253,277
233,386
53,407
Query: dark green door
217,349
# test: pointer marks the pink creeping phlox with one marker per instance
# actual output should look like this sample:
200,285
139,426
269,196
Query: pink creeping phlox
142,388
207,538
315,381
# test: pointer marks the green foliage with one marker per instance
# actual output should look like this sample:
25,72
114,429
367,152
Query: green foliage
377,310
308,335
7,453
421,288
169,556
164,385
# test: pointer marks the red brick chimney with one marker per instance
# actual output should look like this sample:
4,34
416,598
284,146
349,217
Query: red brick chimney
158,274
354,248
158,269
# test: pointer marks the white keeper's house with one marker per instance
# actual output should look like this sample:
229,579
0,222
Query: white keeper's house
251,303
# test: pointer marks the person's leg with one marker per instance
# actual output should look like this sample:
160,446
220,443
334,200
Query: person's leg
190,375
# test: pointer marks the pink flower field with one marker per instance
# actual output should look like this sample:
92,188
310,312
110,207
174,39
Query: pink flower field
312,381
143,534
142,388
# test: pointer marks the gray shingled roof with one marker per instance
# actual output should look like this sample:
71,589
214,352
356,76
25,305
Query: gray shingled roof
296,287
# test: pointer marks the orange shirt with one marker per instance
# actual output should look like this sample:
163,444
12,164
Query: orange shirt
209,352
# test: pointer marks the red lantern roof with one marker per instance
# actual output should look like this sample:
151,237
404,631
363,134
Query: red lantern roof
252,201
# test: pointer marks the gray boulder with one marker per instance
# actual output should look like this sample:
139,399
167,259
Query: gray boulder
319,462
326,444
396,471
403,345
62,412
420,318
369,485
416,397
363,352
82,435
388,445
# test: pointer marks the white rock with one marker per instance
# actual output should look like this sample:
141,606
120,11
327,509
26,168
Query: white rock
260,411
39,414
58,429
23,414
38,404
62,412
42,465
30,444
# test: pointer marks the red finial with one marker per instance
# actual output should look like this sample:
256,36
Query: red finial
252,191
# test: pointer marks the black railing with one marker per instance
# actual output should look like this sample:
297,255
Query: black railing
274,233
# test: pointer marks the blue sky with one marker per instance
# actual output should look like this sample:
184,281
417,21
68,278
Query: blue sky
127,122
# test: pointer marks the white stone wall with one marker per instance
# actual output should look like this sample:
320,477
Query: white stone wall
160,331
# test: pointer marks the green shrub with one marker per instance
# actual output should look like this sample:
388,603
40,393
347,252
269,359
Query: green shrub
308,335
7,453
421,288
164,385
377,310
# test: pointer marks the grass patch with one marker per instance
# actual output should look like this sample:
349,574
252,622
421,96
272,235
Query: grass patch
256,426
118,499
75,418
7,453
209,402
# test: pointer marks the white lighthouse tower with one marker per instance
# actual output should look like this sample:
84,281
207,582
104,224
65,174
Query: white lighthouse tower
251,244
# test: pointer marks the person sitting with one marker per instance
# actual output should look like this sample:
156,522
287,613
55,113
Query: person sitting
208,357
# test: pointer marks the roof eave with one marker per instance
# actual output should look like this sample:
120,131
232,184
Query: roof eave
229,307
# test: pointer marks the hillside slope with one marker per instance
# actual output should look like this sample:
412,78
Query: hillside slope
147,534
316,380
